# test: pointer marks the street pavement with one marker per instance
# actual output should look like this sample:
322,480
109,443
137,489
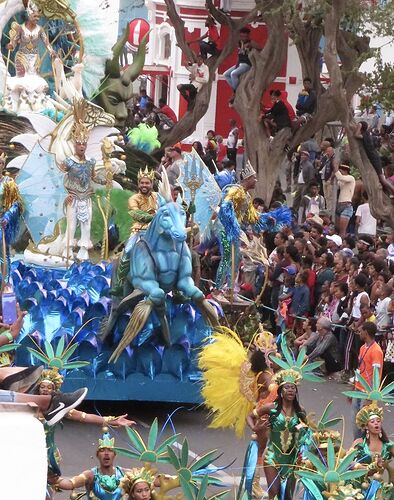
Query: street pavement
78,442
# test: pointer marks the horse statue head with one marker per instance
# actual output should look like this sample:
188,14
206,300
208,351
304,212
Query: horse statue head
170,218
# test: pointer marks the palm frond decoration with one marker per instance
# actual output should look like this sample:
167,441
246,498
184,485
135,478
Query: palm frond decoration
374,391
58,359
298,364
332,474
8,347
149,452
322,429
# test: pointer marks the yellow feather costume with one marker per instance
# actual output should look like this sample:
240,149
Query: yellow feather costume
230,388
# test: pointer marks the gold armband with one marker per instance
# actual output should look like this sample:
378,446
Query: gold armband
255,413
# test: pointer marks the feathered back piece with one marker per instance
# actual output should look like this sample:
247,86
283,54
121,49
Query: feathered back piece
230,387
80,132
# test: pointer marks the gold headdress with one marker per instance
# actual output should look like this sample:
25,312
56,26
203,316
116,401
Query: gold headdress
80,132
264,341
367,413
149,174
289,376
53,376
107,442
32,8
135,476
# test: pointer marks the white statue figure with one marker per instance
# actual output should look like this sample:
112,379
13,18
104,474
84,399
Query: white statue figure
28,90
78,179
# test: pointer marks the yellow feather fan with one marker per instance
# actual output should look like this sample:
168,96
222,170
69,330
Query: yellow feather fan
230,387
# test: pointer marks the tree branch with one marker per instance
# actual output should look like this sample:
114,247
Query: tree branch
179,27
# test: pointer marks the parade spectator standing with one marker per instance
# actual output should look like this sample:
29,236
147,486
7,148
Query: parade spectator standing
312,147
344,211
311,203
327,174
221,149
199,75
365,222
232,141
245,45
174,169
370,355
305,176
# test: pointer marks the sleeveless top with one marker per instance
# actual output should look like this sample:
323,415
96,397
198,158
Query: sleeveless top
356,313
365,455
106,487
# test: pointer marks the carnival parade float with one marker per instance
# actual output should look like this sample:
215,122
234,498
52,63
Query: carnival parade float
63,215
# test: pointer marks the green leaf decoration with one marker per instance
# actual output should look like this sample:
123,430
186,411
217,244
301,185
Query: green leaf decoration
49,349
186,489
168,442
184,453
8,347
69,351
204,461
331,458
311,486
76,364
38,355
127,453
203,489
374,392
136,439
153,435
174,461
60,347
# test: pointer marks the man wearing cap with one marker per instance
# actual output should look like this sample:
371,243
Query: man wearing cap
344,211
334,243
174,169
327,174
305,176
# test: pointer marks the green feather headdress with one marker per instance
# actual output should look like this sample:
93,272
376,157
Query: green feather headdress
295,369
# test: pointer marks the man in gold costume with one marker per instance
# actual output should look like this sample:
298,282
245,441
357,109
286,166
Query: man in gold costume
142,208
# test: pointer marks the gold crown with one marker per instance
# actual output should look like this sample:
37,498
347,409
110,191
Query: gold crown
106,442
80,133
368,412
289,376
149,174
264,341
134,476
53,376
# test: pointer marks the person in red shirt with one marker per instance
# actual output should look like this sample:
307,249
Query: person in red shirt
211,45
166,110
289,107
370,355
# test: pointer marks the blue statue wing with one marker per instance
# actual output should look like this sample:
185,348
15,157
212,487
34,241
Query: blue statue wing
207,197
41,187
274,220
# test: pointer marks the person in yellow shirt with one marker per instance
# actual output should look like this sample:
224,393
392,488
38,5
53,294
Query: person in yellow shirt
142,208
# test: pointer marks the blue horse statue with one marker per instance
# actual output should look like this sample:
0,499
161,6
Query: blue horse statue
160,262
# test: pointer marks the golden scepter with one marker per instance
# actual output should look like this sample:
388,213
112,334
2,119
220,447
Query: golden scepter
106,150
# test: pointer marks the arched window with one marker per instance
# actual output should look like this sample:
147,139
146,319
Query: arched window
166,46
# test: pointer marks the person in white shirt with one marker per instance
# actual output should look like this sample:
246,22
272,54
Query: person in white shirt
199,76
383,316
232,141
344,211
365,222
